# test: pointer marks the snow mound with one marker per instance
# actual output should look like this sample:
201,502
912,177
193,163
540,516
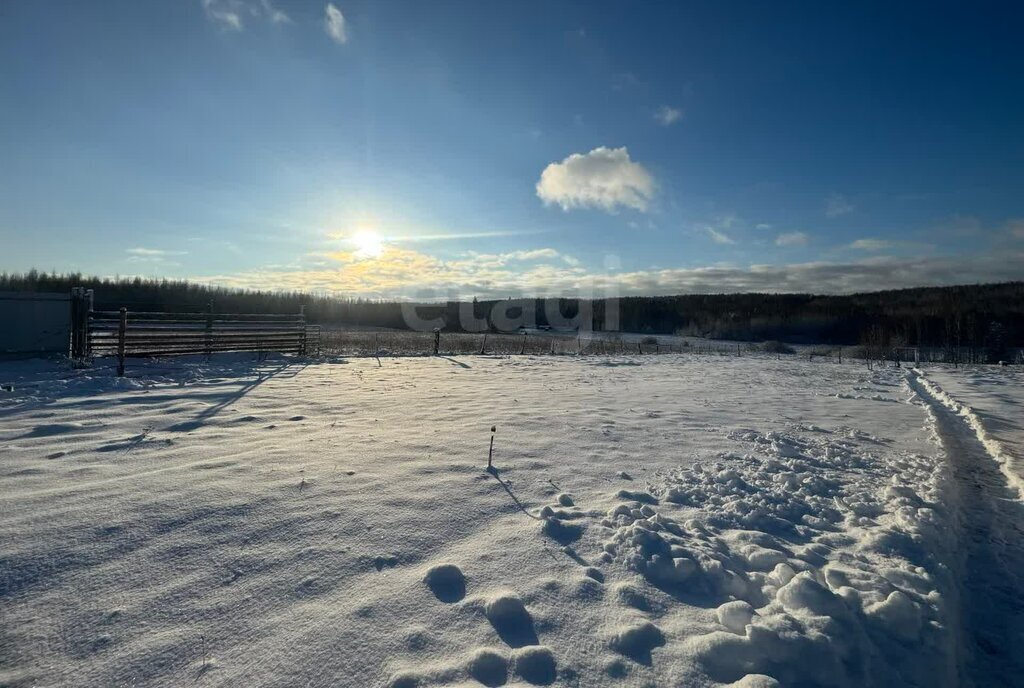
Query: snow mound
816,579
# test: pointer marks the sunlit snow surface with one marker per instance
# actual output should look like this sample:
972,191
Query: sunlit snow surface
668,520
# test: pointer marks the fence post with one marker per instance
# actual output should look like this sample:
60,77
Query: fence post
483,345
437,340
76,323
209,329
522,348
86,342
302,324
121,328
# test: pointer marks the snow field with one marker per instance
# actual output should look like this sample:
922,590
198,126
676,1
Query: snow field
672,520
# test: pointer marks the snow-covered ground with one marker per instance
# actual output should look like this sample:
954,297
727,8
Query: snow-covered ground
676,520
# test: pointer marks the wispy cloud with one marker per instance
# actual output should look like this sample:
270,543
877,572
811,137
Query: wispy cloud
441,236
872,244
1015,228
335,25
275,15
152,252
667,115
141,254
836,205
719,237
791,239
604,178
232,14
624,80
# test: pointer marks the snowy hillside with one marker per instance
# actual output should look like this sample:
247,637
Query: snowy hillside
664,521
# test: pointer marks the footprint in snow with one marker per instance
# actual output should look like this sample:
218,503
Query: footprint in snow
389,561
511,620
447,582
636,642
488,667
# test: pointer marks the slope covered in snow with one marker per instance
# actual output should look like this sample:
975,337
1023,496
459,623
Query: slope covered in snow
672,520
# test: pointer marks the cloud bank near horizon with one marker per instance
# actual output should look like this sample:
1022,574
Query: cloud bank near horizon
411,275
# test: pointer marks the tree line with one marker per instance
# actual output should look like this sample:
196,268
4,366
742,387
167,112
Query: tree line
982,316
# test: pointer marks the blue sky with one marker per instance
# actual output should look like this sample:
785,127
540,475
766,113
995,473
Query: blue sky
458,148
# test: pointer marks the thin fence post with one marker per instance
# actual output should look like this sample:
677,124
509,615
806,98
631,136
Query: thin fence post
437,340
209,329
86,319
77,329
483,344
121,329
522,348
302,336
74,323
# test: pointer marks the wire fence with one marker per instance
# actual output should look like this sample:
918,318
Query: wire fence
393,343
399,343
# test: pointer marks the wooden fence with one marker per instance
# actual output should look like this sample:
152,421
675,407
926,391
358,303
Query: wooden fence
144,334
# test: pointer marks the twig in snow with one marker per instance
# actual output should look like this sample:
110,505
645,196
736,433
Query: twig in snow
490,452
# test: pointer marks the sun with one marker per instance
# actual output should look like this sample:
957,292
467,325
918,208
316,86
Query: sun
368,243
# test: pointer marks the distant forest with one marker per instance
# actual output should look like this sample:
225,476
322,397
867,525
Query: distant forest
985,316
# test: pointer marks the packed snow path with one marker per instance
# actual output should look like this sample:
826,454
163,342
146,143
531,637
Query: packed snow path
989,536
664,521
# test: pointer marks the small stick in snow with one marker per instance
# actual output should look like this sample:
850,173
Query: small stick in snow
206,658
490,452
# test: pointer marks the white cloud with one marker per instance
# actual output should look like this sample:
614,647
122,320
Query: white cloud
667,115
232,14
763,225
275,15
334,24
836,205
534,254
791,239
719,237
152,252
153,255
1015,228
224,12
871,245
604,178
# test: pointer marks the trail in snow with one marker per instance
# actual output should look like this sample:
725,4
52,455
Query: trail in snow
990,537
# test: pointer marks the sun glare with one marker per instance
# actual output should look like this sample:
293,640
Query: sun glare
368,243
